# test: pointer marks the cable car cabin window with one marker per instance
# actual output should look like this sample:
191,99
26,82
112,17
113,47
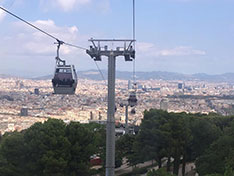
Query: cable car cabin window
63,70
63,77
68,70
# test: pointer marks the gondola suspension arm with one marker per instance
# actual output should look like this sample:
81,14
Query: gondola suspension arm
58,60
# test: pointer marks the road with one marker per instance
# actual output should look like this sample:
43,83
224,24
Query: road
126,169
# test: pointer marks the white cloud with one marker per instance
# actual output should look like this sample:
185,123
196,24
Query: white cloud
2,15
29,51
28,41
34,51
65,5
151,50
181,51
68,5
145,47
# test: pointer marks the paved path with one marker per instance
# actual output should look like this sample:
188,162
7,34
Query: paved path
126,169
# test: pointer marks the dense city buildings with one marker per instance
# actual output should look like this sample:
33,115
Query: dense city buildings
24,102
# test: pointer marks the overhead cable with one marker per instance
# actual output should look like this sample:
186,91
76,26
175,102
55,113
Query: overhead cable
100,71
75,46
46,33
134,38
37,28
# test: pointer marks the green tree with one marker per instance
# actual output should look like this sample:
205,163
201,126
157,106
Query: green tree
219,156
150,141
48,149
12,158
178,137
204,132
82,147
124,147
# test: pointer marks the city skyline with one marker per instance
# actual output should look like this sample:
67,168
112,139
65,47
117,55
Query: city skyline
183,36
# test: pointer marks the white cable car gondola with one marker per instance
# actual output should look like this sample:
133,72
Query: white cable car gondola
65,77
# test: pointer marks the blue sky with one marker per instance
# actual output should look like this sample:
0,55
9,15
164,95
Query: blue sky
186,36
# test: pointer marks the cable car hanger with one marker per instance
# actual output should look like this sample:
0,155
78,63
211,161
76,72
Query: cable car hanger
57,58
134,38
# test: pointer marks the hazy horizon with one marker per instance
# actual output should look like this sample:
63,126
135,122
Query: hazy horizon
29,76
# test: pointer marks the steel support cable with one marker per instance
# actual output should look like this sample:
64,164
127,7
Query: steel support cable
29,24
100,71
75,46
37,28
134,38
46,33
133,23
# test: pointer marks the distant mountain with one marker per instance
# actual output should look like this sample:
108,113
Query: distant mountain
227,77
95,75
7,76
43,77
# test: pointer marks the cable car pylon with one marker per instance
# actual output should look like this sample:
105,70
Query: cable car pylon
96,52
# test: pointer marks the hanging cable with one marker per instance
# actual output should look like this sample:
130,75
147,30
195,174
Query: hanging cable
29,24
58,40
37,28
134,38
100,71
75,46
133,23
